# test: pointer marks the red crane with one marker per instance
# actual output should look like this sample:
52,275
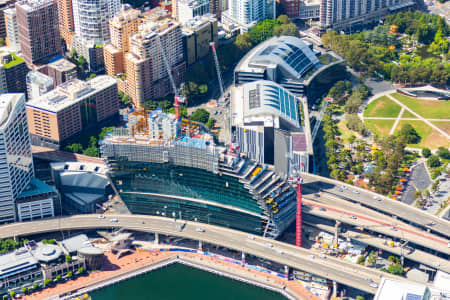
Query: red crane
298,218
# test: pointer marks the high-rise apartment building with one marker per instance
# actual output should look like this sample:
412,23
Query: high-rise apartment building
91,18
16,162
146,54
71,107
291,7
65,16
4,4
188,9
12,30
15,71
215,8
38,30
246,13
121,28
353,15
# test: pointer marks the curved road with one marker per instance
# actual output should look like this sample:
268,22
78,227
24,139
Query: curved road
299,258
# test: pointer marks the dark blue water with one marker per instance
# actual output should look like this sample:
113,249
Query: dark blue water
180,282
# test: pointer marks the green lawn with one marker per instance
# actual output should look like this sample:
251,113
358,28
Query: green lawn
430,138
443,125
408,115
379,127
14,62
345,132
382,107
431,109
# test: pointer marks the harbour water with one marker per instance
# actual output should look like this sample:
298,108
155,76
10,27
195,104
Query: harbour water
176,282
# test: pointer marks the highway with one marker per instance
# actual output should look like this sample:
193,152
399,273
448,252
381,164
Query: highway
415,255
375,221
384,204
299,258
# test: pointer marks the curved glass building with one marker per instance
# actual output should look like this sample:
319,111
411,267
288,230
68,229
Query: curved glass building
192,180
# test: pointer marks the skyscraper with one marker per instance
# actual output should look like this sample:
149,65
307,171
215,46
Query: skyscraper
291,7
38,30
145,60
188,9
12,30
91,18
65,15
248,12
16,162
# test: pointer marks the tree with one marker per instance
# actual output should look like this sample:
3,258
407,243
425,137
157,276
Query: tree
360,298
372,259
68,258
353,122
417,194
125,100
91,151
426,152
395,269
24,290
426,193
181,109
93,141
353,103
210,123
361,259
47,282
69,274
200,115
80,270
435,186
73,53
92,75
2,42
243,42
433,161
12,294
263,30
410,134
443,153
58,278
364,91
284,19
74,148
104,131
82,61
286,29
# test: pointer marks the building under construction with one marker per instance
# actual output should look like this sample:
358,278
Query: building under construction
164,166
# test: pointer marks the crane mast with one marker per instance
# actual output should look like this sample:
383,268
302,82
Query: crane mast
178,98
219,76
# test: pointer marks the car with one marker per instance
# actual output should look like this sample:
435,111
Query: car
114,220
280,251
198,229
251,237
353,217
356,191
341,190
436,264
101,217
269,245
373,284
311,256
376,198
393,228
316,195
322,209
344,187
322,256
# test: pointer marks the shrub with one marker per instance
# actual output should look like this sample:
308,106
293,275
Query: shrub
433,161
426,152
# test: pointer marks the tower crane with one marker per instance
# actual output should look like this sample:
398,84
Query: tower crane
219,76
296,179
178,98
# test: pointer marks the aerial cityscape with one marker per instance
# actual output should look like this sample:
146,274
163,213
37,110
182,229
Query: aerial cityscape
225,149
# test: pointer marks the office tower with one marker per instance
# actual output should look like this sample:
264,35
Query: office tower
70,108
16,162
147,75
15,70
12,30
91,18
38,30
197,34
121,28
354,15
215,7
188,9
61,70
65,16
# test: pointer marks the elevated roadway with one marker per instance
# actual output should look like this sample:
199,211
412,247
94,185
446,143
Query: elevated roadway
299,258
385,205
410,253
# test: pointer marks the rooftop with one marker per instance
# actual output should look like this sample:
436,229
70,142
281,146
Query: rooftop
39,78
265,102
62,65
125,16
29,5
36,187
71,92
197,22
10,60
390,289
75,243
46,253
148,30
15,262
292,57
7,102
